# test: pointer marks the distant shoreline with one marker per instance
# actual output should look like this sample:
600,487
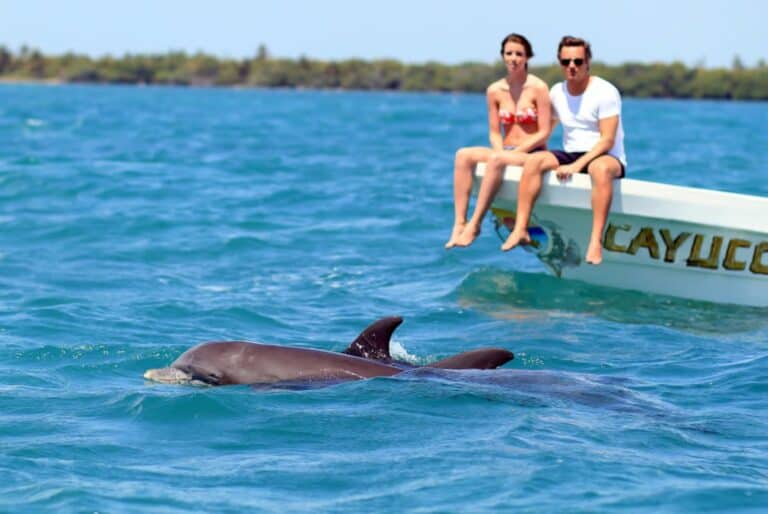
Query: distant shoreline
57,83
22,81
638,80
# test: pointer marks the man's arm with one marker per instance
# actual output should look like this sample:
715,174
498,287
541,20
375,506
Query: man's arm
494,124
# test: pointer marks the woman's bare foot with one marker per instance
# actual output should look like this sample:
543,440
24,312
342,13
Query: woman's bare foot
468,235
458,228
516,238
594,253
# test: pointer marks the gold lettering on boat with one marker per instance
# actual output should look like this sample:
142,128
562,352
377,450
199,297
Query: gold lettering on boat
609,241
672,244
645,239
757,265
730,262
695,259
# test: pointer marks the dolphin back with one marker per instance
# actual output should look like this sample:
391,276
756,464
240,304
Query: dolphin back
243,362
373,343
483,358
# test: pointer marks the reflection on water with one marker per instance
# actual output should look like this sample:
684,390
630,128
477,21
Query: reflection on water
518,295
546,388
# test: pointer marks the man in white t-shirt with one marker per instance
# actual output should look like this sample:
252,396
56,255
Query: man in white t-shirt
593,142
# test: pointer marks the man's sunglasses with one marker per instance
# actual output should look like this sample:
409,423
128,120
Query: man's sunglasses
567,62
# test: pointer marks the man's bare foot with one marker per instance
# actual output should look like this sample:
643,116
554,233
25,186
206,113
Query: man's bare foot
468,235
594,253
516,238
458,228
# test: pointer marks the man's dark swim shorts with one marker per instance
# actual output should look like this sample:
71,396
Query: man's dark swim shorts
564,157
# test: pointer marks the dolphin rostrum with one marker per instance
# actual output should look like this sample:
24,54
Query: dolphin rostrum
240,362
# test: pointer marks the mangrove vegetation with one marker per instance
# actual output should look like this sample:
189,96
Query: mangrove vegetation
649,80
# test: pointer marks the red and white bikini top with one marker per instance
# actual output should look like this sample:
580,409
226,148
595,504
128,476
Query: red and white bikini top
523,117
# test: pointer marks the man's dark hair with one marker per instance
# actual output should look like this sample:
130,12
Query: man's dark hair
575,41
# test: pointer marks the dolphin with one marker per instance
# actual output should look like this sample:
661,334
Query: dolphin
242,362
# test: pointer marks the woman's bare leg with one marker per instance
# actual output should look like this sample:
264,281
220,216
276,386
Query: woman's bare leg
463,174
494,175
527,192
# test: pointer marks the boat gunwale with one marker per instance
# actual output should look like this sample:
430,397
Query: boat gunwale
653,200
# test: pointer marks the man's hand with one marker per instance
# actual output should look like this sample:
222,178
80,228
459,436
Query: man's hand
565,171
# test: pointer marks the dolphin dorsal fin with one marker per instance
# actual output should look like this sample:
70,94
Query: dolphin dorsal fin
373,342
483,358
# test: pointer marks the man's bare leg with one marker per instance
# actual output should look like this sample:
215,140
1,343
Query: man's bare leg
527,192
603,171
463,170
494,175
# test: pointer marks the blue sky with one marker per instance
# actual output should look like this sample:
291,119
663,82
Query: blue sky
703,32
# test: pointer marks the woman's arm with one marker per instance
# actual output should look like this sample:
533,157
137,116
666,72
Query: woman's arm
494,124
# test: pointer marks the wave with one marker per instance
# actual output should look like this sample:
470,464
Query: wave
520,295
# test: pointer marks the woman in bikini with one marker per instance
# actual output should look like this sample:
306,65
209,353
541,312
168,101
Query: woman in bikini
518,104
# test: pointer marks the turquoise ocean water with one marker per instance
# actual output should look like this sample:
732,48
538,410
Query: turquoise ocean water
137,222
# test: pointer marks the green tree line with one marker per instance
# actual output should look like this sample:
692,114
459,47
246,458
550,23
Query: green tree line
644,80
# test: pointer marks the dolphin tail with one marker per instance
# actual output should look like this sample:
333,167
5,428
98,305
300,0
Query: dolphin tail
373,342
484,358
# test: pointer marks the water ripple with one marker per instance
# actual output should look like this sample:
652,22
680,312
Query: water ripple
138,222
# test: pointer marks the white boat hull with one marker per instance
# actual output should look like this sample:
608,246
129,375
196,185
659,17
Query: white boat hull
677,241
